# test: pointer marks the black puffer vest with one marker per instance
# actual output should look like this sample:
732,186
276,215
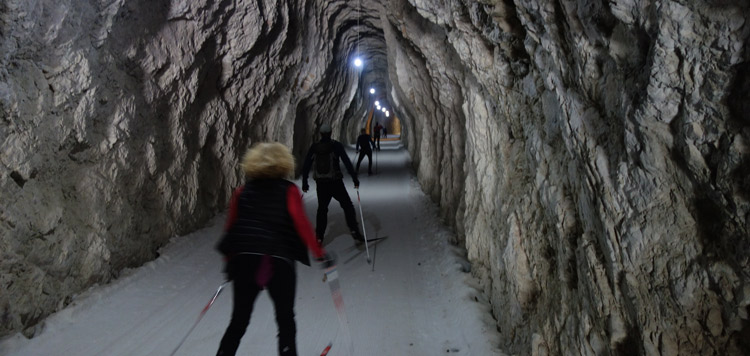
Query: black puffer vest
263,224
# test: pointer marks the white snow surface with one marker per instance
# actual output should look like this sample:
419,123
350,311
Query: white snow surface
415,298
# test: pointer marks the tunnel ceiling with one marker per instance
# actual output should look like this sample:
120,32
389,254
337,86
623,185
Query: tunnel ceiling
591,156
373,51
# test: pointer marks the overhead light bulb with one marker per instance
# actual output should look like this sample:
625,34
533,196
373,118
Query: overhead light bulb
383,109
386,114
372,91
357,62
377,103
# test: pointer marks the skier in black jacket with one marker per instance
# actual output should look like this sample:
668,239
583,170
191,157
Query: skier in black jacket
266,231
364,141
376,134
323,157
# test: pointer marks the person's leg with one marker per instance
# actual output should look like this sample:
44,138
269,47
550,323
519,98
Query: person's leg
245,291
324,198
282,288
342,196
361,156
369,161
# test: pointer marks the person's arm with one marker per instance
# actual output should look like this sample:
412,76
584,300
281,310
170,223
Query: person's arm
306,168
232,214
356,147
338,148
301,223
372,142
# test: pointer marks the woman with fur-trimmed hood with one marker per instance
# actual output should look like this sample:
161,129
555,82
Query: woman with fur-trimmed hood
266,231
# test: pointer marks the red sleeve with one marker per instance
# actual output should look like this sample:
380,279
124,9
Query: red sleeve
232,214
301,224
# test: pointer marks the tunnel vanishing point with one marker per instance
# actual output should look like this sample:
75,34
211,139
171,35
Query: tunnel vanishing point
592,156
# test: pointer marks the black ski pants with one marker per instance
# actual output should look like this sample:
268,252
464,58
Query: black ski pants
282,285
362,154
335,189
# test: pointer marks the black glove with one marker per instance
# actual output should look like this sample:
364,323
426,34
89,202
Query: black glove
327,260
305,186
356,182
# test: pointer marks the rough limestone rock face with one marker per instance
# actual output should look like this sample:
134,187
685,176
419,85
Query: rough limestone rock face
592,156
122,123
606,165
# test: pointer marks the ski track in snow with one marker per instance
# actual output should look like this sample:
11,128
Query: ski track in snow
414,299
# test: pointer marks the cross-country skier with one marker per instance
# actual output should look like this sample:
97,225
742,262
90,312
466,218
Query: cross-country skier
364,147
266,231
376,134
323,157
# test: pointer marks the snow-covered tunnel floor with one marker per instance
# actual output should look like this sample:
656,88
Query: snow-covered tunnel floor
414,299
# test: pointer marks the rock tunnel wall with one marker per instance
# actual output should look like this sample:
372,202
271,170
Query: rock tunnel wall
123,122
603,169
591,155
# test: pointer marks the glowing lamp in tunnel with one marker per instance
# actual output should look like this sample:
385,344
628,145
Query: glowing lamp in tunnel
382,109
386,114
357,62
372,91
377,103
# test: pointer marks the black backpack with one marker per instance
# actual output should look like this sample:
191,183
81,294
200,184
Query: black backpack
326,165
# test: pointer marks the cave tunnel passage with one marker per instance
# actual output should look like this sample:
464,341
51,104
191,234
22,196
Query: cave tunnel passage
387,292
391,124
587,159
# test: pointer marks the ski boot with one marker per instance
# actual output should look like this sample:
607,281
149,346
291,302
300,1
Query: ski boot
359,241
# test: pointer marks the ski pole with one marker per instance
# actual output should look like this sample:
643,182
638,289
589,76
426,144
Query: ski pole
332,277
203,312
327,349
362,217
